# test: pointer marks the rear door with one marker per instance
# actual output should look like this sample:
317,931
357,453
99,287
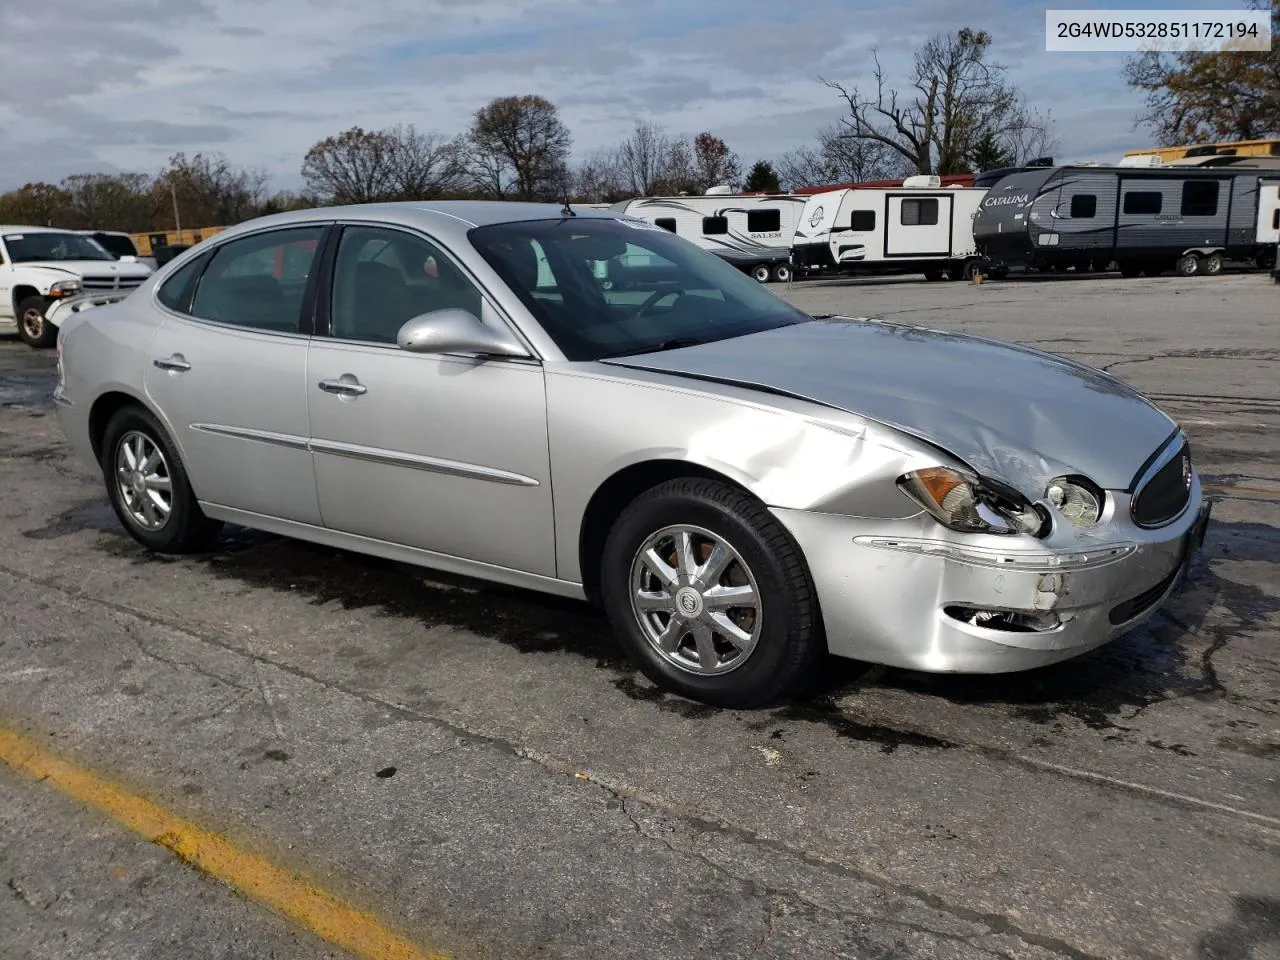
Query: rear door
918,226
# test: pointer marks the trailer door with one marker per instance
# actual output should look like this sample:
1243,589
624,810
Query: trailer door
1269,211
918,226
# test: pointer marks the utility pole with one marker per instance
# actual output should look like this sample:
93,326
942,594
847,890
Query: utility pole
177,220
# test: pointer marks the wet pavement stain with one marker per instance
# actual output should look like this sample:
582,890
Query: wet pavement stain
828,713
29,390
668,703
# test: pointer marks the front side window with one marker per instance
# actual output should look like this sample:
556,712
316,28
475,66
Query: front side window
53,245
920,212
1084,206
623,287
384,278
259,281
862,221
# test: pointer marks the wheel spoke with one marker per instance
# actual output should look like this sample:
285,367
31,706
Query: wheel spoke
669,639
711,571
684,554
157,482
152,461
125,475
126,451
660,568
729,630
708,659
139,452
159,502
722,598
650,601
148,508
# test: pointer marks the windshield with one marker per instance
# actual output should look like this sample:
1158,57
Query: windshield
609,287
52,245
116,245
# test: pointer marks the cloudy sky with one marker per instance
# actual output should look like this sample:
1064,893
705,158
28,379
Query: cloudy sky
89,85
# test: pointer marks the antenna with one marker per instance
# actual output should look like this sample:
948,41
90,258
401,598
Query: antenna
568,210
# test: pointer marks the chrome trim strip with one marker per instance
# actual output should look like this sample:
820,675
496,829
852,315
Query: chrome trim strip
415,461
355,451
246,433
1028,561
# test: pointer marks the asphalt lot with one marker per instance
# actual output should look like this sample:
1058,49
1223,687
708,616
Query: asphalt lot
477,769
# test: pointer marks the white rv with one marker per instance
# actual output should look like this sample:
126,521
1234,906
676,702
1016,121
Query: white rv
1269,215
754,233
920,227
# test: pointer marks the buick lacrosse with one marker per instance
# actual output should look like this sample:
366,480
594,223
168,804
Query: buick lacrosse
578,402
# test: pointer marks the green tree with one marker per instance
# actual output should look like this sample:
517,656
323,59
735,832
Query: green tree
762,179
36,205
989,154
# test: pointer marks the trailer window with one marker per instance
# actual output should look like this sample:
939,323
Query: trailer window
1275,219
764,221
1200,198
1142,203
920,211
715,225
1084,206
862,221
666,223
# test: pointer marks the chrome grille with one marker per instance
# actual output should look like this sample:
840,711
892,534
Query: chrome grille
1165,494
111,283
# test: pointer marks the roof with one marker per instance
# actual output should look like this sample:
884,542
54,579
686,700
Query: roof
27,228
961,179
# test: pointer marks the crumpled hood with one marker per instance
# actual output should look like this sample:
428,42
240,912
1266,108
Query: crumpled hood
1010,412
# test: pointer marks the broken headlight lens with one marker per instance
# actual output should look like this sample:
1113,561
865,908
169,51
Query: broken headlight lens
1076,499
970,504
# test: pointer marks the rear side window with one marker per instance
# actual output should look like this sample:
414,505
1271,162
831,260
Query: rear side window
920,211
1143,203
862,221
711,226
1084,206
764,221
1200,198
258,282
175,293
666,223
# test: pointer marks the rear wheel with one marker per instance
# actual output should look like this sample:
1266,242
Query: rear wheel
1188,265
761,273
1213,265
148,486
710,595
782,272
34,329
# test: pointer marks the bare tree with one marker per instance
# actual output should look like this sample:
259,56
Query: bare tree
600,178
519,147
209,191
679,172
353,167
714,163
954,97
645,157
123,201
838,158
423,165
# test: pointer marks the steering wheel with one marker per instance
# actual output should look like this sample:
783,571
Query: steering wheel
653,298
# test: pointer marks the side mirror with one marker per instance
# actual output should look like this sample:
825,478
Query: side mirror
455,331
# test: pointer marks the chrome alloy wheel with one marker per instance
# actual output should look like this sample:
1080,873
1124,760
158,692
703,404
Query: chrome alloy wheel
33,322
696,600
143,480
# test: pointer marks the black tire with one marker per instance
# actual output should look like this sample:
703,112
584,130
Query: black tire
1212,265
1188,265
186,529
790,641
782,273
761,273
35,330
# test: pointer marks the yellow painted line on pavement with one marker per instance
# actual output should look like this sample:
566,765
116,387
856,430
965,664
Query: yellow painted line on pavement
283,890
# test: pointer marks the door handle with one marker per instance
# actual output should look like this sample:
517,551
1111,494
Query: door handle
176,363
350,388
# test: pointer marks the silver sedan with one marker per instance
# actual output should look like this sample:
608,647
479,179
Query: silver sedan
582,403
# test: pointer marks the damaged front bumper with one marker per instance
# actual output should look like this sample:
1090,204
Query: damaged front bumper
894,592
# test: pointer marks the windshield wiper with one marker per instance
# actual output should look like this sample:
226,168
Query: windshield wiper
675,343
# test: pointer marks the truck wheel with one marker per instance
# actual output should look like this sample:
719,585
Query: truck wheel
760,272
1212,265
34,329
1188,265
998,272
782,272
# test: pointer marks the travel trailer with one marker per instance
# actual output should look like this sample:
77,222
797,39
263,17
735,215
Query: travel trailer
1269,218
753,232
1191,216
920,227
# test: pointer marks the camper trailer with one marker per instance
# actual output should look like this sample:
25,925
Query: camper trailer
1190,216
1269,220
919,227
753,232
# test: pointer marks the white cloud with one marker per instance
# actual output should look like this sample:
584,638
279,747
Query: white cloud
129,82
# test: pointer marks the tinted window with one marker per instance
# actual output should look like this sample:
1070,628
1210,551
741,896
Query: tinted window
1275,220
1142,203
715,225
921,211
764,221
175,293
116,245
53,245
862,221
621,288
259,281
1200,198
1084,206
666,223
384,278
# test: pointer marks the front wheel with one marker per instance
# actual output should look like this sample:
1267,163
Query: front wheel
148,486
761,273
1188,265
35,330
710,595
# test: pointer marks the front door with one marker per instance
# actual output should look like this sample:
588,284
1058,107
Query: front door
446,453
918,226
227,370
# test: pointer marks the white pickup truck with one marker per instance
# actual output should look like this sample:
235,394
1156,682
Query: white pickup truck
39,266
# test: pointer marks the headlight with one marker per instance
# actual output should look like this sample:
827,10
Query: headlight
64,288
970,504
1076,499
